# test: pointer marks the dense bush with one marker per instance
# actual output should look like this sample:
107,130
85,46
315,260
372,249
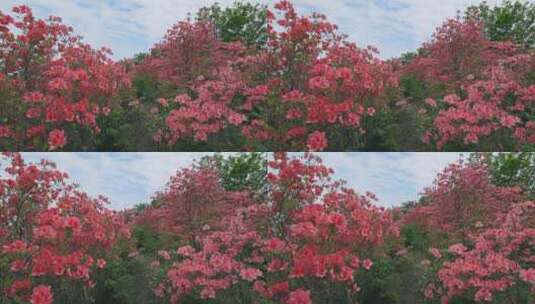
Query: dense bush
52,85
247,77
53,237
251,230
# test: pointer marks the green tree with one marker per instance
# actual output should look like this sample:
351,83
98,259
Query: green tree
510,169
512,20
242,21
244,171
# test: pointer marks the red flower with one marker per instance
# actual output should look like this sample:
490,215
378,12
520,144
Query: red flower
14,247
19,285
64,227
367,264
106,111
528,275
281,287
5,131
317,141
457,249
42,294
299,296
274,245
101,263
164,255
56,139
431,102
186,251
250,274
73,223
435,252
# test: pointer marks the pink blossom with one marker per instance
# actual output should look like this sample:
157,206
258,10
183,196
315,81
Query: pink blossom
42,294
56,139
317,141
435,252
367,264
299,296
250,274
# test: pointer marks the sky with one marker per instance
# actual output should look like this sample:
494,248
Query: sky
131,178
133,26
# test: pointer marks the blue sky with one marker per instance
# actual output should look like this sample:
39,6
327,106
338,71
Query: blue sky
132,26
130,178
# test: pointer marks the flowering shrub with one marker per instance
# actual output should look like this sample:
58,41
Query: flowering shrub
302,85
189,51
311,89
50,232
307,239
273,246
459,54
50,82
204,72
307,77
463,200
487,86
215,266
479,236
501,259
193,203
316,80
499,103
206,115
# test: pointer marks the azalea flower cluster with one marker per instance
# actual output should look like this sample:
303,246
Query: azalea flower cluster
307,239
464,200
196,63
307,78
318,80
193,203
310,230
50,232
487,91
50,81
487,235
500,258
308,88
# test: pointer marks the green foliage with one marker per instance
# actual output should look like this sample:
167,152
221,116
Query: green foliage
243,21
501,140
128,279
244,171
511,169
407,57
382,131
392,280
512,20
147,240
415,238
397,275
398,126
130,127
141,207
125,282
125,130
413,88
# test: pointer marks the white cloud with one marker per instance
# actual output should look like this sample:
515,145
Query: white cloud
393,177
131,178
394,26
133,26
125,178
127,26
